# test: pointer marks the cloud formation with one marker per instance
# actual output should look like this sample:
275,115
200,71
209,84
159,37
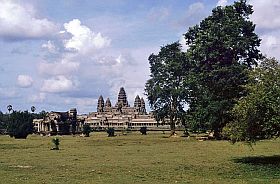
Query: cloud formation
18,21
62,67
50,47
266,16
83,39
58,84
24,81
267,13
39,98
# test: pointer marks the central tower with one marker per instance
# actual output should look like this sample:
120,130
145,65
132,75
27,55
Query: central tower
122,99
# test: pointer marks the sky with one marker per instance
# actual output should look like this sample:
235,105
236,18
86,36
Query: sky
60,54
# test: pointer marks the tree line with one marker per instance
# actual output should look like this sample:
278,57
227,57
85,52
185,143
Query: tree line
18,124
222,83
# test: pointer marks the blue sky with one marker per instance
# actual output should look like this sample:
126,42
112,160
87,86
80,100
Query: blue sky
61,54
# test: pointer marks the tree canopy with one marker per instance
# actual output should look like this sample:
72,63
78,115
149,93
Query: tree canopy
166,89
222,47
20,124
257,115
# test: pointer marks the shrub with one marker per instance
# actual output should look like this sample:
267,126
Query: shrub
143,130
111,132
86,130
55,141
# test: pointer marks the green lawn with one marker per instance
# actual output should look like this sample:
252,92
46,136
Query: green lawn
135,158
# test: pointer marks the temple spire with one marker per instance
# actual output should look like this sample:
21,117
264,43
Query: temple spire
100,104
108,105
122,99
143,108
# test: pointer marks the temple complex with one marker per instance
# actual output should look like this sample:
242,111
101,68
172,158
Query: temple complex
121,116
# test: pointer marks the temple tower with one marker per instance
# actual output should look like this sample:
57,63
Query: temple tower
122,100
143,108
137,103
100,104
108,105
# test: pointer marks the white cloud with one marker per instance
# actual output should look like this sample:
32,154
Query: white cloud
270,45
222,2
269,41
63,67
18,21
50,46
24,81
83,39
266,16
58,84
266,13
38,98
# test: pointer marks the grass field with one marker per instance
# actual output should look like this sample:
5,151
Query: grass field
135,158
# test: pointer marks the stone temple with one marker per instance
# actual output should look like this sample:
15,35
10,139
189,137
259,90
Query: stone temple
120,116
59,123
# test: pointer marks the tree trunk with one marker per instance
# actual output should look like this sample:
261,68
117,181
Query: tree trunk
172,127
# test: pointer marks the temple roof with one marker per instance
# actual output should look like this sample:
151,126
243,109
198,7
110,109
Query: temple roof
108,103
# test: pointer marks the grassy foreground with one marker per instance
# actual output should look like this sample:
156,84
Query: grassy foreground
135,158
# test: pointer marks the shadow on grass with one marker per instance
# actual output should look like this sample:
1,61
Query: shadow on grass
259,160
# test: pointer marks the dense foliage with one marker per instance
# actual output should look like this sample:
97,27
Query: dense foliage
167,89
222,47
20,124
86,130
257,116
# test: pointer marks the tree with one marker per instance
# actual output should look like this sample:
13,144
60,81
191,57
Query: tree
20,124
3,123
86,130
33,109
167,89
10,108
223,47
257,116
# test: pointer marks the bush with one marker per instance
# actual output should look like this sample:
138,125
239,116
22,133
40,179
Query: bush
20,124
143,130
55,141
86,130
111,132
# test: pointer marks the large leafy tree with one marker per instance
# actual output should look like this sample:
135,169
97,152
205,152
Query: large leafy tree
166,89
257,116
20,124
222,47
